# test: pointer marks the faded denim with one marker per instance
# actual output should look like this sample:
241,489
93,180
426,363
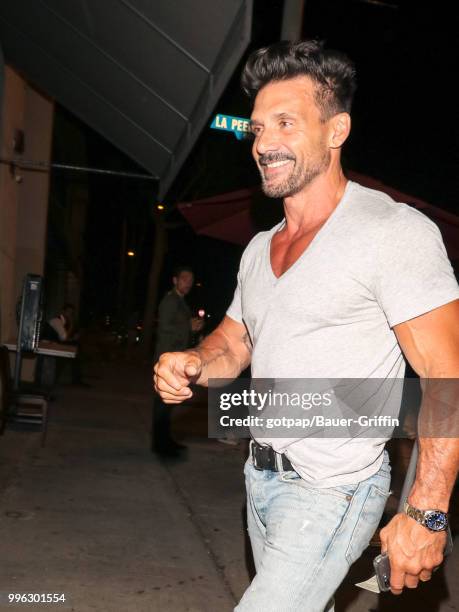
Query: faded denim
305,539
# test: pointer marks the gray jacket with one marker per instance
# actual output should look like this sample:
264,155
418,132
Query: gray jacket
174,325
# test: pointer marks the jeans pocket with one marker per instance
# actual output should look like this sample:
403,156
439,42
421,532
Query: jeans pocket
342,492
367,522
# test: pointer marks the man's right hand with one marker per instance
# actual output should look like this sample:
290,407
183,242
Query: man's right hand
173,374
197,324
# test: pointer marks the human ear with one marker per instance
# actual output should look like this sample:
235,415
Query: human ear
340,127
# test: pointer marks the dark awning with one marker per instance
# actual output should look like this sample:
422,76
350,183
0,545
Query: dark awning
146,74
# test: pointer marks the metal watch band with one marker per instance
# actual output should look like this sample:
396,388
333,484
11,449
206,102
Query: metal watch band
415,513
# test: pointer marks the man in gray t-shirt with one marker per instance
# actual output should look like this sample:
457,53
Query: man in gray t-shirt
373,264
346,285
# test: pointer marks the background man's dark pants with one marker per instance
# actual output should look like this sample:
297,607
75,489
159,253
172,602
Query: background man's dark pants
161,439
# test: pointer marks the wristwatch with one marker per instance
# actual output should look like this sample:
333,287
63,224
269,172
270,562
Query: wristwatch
434,520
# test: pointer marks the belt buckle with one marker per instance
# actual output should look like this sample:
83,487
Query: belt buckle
266,456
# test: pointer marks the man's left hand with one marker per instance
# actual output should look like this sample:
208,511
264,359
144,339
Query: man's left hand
414,552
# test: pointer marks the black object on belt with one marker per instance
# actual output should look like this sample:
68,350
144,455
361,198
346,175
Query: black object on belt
264,458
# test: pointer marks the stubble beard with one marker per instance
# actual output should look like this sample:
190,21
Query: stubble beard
300,177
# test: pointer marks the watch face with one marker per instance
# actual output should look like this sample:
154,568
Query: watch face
436,521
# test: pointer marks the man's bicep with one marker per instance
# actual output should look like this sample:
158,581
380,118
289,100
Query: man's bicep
430,342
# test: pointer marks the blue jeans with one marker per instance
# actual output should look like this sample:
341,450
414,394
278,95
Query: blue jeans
305,539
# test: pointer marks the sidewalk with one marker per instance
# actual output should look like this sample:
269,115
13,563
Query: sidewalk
96,516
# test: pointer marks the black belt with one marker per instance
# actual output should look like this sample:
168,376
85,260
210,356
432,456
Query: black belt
264,458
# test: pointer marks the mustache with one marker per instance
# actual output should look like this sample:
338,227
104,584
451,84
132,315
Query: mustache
269,158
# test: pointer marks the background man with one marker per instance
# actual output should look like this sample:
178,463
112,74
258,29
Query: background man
61,328
341,288
175,325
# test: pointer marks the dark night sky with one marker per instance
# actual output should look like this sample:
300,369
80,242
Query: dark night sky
404,133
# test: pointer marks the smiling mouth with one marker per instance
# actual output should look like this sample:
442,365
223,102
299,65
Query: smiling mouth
274,169
277,164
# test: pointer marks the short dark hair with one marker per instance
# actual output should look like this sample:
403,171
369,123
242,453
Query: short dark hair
179,269
332,71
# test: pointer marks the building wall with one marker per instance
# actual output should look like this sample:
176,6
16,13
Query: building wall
12,119
34,188
23,193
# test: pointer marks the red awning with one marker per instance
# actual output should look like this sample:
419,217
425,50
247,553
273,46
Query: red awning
229,216
226,216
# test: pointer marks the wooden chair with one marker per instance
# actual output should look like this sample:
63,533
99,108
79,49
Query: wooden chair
17,406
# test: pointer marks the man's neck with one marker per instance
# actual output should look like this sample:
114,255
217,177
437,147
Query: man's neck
315,203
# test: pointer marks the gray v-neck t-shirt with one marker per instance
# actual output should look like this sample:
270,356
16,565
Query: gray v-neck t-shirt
375,263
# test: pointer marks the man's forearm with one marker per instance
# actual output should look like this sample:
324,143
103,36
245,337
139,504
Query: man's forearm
436,473
221,356
438,461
